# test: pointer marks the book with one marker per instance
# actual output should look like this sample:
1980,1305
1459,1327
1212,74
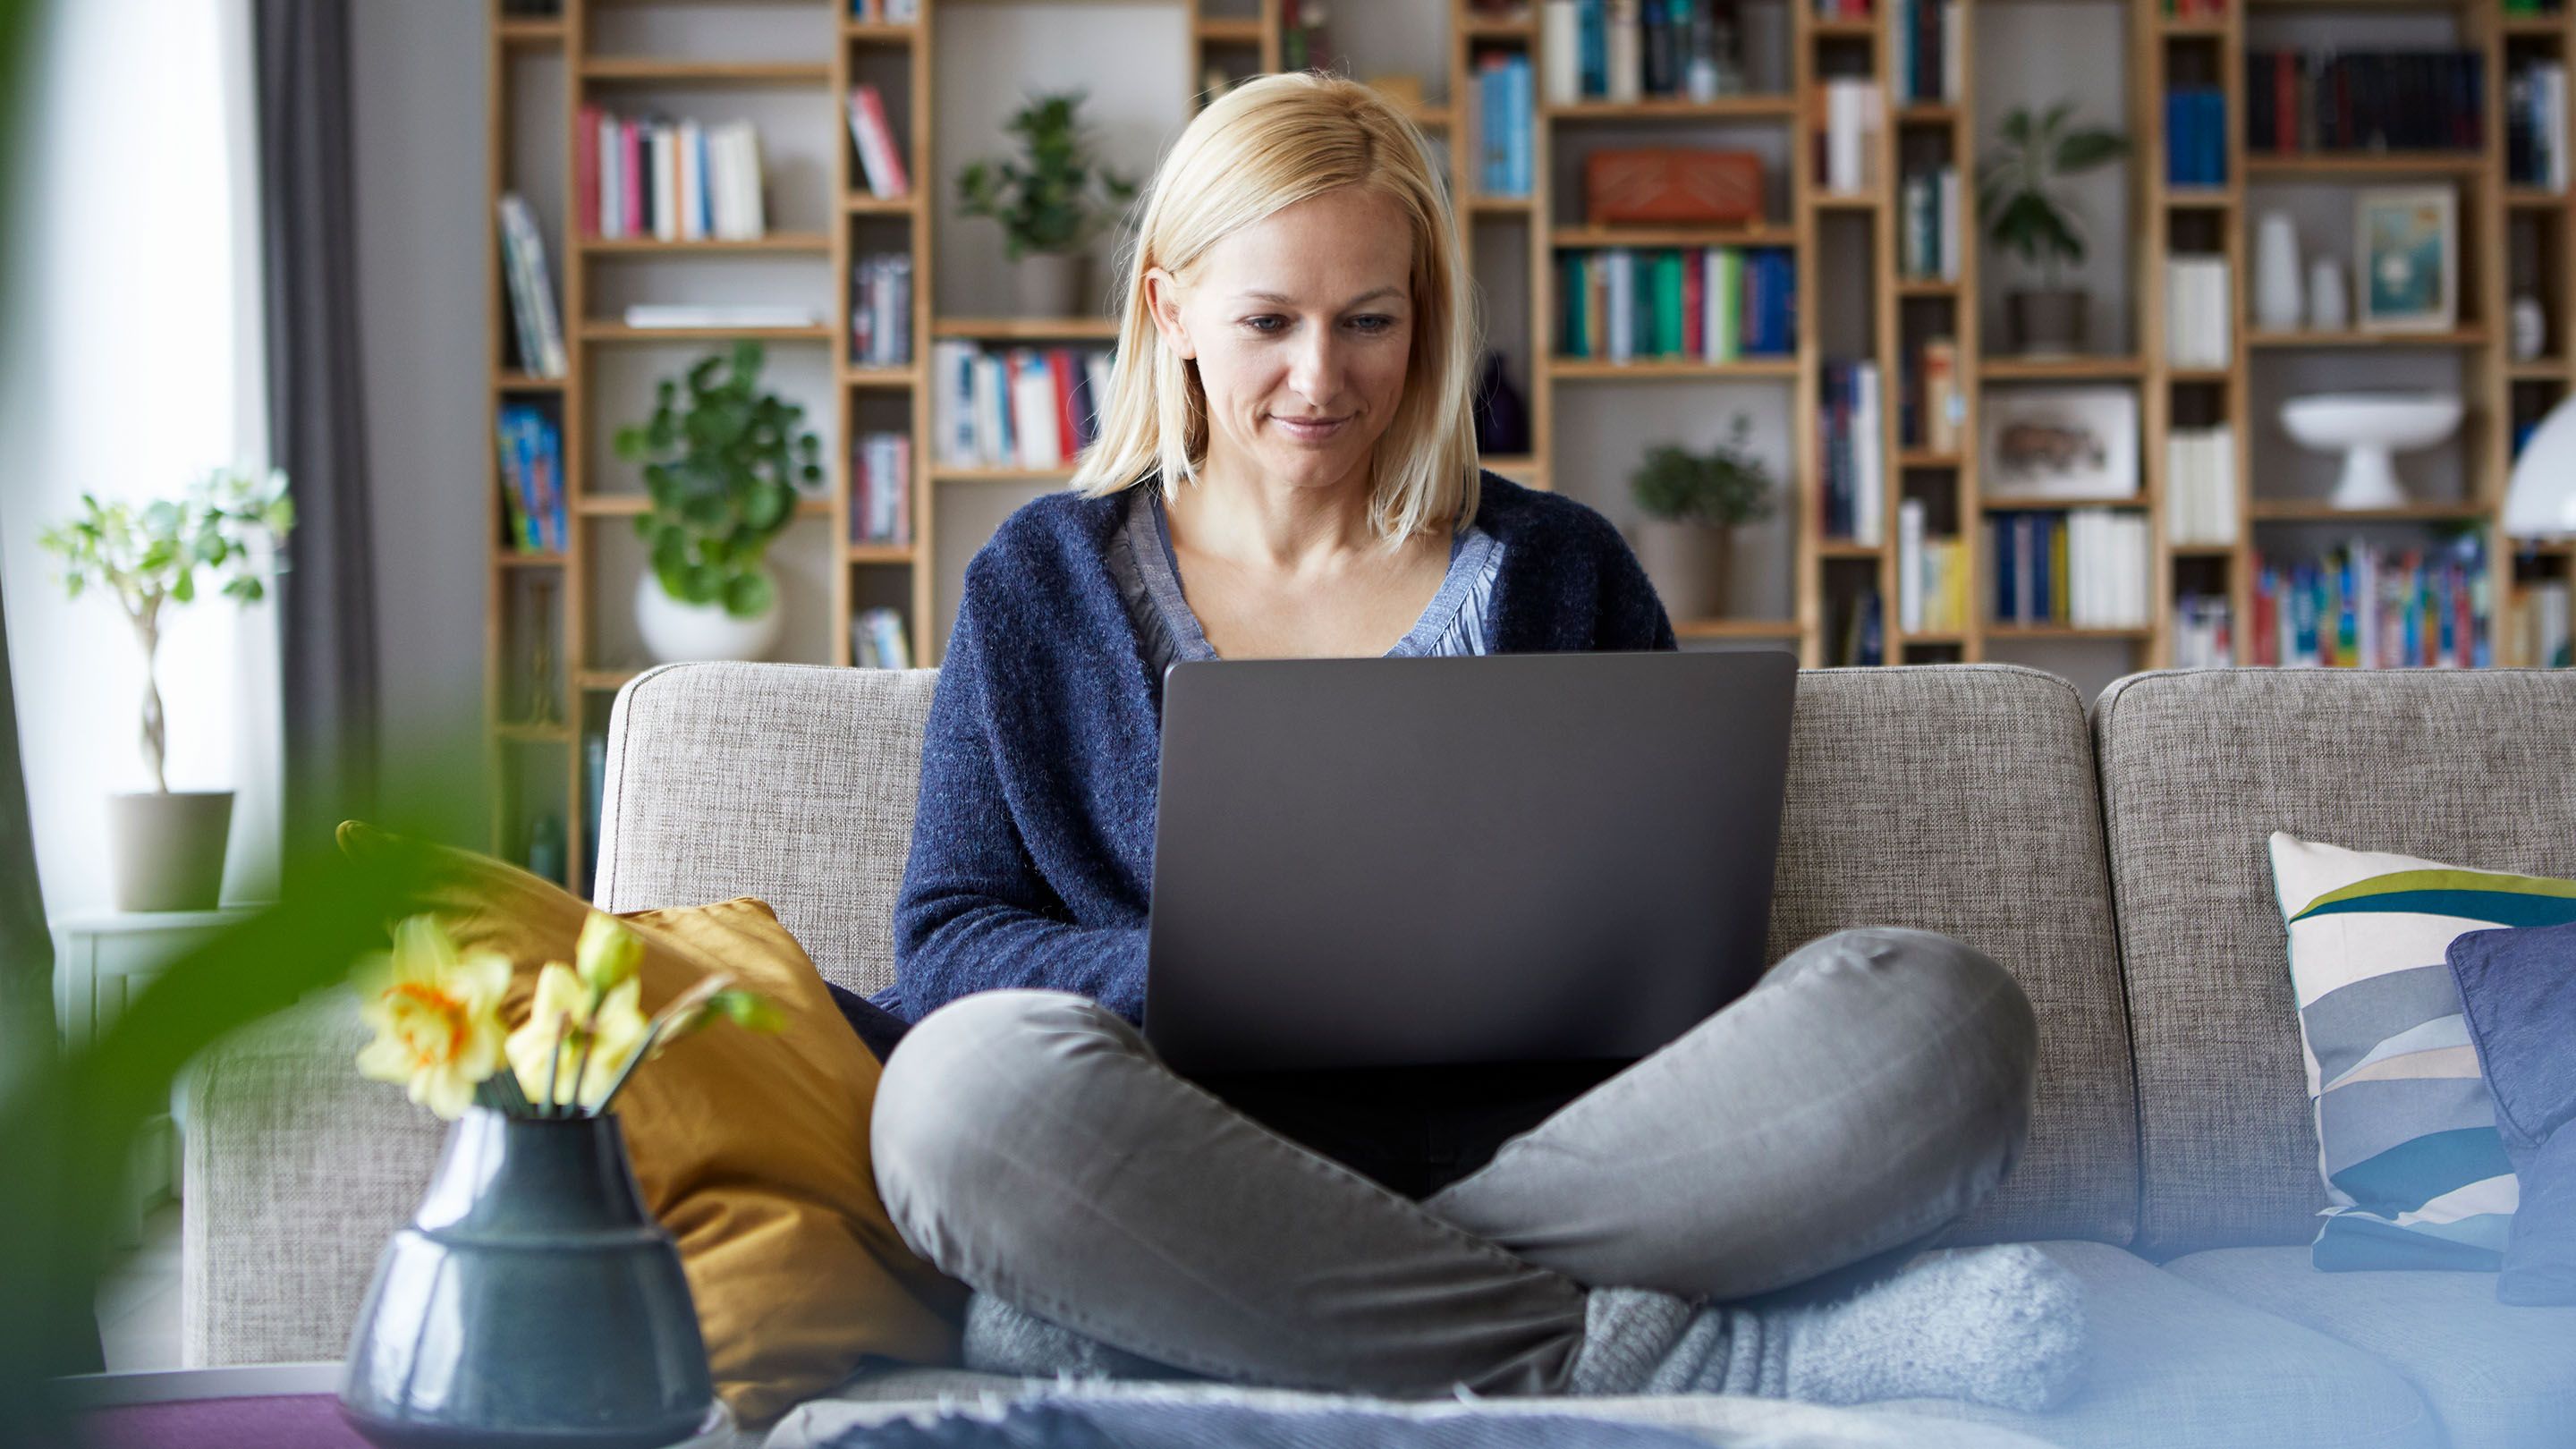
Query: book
2365,100
2198,305
881,310
881,488
1853,118
1023,407
1624,52
1560,26
877,640
879,157
675,181
534,320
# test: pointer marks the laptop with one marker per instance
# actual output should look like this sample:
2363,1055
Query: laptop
1366,863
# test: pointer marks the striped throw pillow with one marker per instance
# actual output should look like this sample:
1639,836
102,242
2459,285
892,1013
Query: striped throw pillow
2406,1129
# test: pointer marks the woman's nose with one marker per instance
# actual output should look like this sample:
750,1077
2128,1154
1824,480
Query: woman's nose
1314,365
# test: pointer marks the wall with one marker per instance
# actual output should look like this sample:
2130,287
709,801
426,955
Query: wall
418,87
130,366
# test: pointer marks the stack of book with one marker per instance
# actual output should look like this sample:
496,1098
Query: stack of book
2195,136
2085,567
880,158
1931,576
1504,120
2367,607
2200,486
667,180
1850,116
877,640
1716,304
1930,408
1625,50
1025,407
2197,307
532,490
885,12
1930,62
535,328
881,488
2535,126
2361,100
2201,635
2543,607
1927,220
1853,456
881,310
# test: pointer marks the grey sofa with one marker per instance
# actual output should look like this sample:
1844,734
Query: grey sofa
2114,863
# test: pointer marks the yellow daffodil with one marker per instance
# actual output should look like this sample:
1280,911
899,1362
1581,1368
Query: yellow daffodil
437,1016
576,1044
607,954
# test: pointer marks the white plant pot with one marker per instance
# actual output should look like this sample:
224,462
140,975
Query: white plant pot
675,631
1052,284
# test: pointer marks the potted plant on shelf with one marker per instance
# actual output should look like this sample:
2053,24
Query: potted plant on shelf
2027,215
1692,503
168,845
722,468
1051,207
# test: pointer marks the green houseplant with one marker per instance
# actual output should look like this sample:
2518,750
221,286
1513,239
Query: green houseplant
1692,502
721,467
1051,205
169,845
2028,214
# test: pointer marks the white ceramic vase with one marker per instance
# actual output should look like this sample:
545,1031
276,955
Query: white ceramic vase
2329,300
2277,303
676,631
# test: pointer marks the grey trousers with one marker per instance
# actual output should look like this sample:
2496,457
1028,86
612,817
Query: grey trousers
1870,1088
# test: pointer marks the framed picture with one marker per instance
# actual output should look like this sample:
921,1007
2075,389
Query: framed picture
2062,444
2406,239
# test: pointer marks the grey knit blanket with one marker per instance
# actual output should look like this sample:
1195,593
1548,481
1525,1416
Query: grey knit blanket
1131,1424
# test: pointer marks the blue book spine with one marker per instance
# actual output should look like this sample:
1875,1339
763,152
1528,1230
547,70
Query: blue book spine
2213,131
2004,601
551,439
1523,124
2179,150
1592,29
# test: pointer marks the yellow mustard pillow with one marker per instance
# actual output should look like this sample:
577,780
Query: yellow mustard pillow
751,1149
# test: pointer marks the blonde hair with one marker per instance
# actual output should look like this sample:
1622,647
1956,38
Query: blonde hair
1261,148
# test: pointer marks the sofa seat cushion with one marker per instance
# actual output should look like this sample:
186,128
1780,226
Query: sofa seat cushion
2176,1366
1733,1420
2498,1377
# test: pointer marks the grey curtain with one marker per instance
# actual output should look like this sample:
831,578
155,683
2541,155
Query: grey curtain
26,946
316,419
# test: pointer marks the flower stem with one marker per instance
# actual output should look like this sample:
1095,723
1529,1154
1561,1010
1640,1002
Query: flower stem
643,1049
554,1064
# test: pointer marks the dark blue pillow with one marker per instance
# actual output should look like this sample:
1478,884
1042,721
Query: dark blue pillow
2518,991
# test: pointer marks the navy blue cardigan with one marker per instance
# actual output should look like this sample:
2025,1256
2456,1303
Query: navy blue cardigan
1033,845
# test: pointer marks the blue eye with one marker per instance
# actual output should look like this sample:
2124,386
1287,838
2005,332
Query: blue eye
1264,324
1374,322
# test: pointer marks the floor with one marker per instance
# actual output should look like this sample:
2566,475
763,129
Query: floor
138,1299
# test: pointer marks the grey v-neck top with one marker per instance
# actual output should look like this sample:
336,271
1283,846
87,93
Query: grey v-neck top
1457,620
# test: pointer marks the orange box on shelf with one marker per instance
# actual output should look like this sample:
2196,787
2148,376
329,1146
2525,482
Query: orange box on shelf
1669,185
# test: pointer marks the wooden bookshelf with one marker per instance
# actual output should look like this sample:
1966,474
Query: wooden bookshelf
537,754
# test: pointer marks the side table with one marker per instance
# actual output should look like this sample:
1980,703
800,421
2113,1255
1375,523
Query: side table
101,964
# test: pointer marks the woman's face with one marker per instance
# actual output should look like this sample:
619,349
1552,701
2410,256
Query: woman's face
1301,326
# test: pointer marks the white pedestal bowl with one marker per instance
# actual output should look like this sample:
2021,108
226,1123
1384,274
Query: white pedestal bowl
2369,428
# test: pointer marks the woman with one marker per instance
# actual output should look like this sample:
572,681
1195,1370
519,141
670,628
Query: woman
1286,468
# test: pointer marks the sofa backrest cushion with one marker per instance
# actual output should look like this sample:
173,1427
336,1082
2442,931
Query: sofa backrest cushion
1961,799
793,783
2199,767
1953,799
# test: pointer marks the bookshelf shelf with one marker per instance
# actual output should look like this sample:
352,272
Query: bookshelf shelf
2368,165
521,34
1723,108
630,505
1995,630
654,70
2456,337
877,32
1226,30
525,382
1587,369
1847,548
603,681
879,377
603,331
2201,550
1763,234
1498,205
2303,510
788,242
2037,504
2533,198
1843,29
880,553
503,558
1027,328
2052,369
1923,458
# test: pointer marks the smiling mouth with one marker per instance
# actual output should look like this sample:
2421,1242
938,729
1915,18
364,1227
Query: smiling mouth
1310,428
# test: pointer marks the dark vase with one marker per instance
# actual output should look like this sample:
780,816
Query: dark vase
532,1301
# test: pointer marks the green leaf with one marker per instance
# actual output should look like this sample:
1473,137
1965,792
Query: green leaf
2081,151
703,584
749,595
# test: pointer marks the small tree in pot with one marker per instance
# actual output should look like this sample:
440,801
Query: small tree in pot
1052,207
1692,503
723,471
2026,215
169,845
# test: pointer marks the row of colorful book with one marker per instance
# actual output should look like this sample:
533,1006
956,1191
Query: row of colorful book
881,488
2535,125
2200,486
1852,453
2364,100
1626,50
2195,136
1928,222
1505,123
1931,409
1930,65
2086,568
885,12
881,310
878,639
2203,632
536,328
1716,304
1931,576
684,180
2364,606
2207,9
532,491
1023,407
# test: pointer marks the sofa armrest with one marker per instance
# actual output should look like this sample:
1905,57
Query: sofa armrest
297,1171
